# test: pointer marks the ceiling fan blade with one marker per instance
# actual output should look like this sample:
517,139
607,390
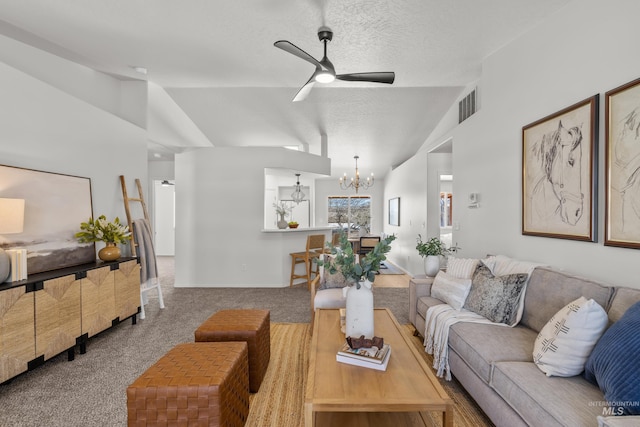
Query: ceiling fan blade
295,50
381,77
304,90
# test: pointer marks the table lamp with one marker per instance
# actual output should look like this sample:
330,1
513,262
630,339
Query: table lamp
11,222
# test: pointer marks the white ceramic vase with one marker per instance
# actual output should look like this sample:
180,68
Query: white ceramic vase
359,319
431,265
282,223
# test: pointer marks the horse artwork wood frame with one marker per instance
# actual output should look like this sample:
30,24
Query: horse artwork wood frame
622,166
559,173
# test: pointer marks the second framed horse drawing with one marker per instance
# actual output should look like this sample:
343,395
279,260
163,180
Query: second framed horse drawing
559,172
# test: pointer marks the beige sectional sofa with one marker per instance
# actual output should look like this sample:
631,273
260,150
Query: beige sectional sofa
495,364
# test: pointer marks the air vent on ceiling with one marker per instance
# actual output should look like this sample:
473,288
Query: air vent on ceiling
467,106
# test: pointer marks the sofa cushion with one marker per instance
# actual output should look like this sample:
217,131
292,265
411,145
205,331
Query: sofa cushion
481,345
547,401
424,303
549,290
450,289
613,364
495,297
617,421
565,342
623,298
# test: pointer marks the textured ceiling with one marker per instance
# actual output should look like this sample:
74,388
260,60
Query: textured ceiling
218,62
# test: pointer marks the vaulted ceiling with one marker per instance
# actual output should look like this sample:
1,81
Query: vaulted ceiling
218,63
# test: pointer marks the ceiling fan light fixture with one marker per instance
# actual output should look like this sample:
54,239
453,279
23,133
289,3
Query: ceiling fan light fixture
325,76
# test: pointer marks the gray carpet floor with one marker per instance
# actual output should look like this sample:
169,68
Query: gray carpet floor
91,390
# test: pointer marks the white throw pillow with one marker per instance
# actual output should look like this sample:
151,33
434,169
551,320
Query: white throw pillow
566,341
461,268
451,290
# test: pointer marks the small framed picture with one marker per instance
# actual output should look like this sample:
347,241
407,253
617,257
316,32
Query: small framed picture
394,211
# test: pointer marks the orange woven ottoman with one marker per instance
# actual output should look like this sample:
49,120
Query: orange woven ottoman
194,384
251,326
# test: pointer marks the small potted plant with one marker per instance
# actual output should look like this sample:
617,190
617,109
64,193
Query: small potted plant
431,251
101,230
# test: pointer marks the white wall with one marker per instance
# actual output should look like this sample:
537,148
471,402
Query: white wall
409,182
43,127
588,47
220,217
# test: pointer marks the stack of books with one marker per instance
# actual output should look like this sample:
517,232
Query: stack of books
372,358
18,260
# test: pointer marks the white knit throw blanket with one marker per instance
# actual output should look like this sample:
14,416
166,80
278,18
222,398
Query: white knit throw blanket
438,321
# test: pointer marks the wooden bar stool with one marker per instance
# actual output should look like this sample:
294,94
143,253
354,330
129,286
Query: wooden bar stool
315,247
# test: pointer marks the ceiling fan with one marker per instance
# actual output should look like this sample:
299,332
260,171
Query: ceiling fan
325,71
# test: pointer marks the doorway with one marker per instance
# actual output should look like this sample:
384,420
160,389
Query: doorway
440,210
164,211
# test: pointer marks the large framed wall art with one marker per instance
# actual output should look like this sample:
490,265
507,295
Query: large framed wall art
55,205
622,166
559,172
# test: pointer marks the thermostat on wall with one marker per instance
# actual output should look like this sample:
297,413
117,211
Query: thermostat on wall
473,200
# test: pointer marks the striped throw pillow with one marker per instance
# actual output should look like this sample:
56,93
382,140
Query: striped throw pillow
462,268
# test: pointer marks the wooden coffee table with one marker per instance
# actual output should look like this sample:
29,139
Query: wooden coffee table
338,394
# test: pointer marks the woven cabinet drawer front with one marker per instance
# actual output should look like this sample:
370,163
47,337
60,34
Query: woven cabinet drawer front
204,384
250,326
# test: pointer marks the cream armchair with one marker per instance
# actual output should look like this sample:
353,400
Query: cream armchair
324,298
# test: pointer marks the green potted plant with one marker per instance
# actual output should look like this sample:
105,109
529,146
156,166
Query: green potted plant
344,260
431,251
101,230
359,297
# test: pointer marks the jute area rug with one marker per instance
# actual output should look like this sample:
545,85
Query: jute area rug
280,400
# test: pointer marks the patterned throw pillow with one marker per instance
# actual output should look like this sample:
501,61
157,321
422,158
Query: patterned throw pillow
462,268
495,297
613,363
565,342
451,290
328,280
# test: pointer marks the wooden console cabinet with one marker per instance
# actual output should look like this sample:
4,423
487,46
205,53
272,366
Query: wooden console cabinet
55,311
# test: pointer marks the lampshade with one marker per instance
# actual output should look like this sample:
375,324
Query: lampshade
11,216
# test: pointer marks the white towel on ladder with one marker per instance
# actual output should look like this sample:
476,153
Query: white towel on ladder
148,266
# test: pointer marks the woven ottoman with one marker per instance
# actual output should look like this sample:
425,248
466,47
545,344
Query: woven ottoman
251,326
194,384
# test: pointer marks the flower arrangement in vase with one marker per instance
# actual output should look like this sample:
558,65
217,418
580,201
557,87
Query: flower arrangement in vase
359,297
101,230
282,210
354,272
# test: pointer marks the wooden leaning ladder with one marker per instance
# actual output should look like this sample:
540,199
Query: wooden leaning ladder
128,199
144,287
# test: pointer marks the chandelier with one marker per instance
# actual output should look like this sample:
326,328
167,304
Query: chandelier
355,181
297,195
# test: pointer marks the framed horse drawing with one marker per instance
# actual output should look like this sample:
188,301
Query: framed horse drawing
559,172
622,163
